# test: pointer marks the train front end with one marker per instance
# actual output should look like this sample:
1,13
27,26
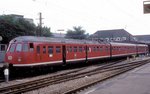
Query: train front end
18,53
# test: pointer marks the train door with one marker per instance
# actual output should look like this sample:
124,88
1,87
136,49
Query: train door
64,54
86,54
31,53
44,55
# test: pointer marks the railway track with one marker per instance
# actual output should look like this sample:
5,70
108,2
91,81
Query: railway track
106,76
26,76
76,74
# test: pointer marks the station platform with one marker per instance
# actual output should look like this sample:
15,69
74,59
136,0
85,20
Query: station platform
136,81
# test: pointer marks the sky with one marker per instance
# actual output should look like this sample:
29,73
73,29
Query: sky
91,15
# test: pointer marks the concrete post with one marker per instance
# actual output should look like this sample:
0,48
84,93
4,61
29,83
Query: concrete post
6,72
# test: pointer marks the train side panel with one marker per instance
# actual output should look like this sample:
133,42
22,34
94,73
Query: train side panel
122,49
142,49
98,51
75,53
48,53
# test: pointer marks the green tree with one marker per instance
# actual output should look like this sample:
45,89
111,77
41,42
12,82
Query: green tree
76,33
11,27
45,31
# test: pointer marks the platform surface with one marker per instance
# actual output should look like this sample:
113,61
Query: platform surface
136,81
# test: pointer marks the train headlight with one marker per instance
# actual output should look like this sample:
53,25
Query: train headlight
9,57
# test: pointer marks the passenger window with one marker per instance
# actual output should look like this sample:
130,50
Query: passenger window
58,49
38,49
50,49
44,49
106,48
25,48
19,47
97,48
101,49
70,49
80,49
85,48
31,46
114,48
94,49
75,49
12,48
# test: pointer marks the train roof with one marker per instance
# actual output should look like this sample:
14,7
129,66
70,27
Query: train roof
63,40
127,44
124,44
48,39
142,44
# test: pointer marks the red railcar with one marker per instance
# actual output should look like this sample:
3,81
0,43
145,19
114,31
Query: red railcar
142,49
29,51
123,49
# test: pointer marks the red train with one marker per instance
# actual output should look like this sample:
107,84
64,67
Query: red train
30,51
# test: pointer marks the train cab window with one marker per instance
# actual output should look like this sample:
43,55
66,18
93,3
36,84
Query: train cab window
19,48
50,49
31,46
25,48
38,49
12,48
75,49
58,49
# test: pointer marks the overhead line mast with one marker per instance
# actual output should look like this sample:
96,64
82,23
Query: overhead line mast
40,24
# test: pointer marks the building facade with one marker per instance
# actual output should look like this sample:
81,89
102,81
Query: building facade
112,35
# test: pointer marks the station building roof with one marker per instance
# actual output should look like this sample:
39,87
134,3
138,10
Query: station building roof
112,35
143,38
